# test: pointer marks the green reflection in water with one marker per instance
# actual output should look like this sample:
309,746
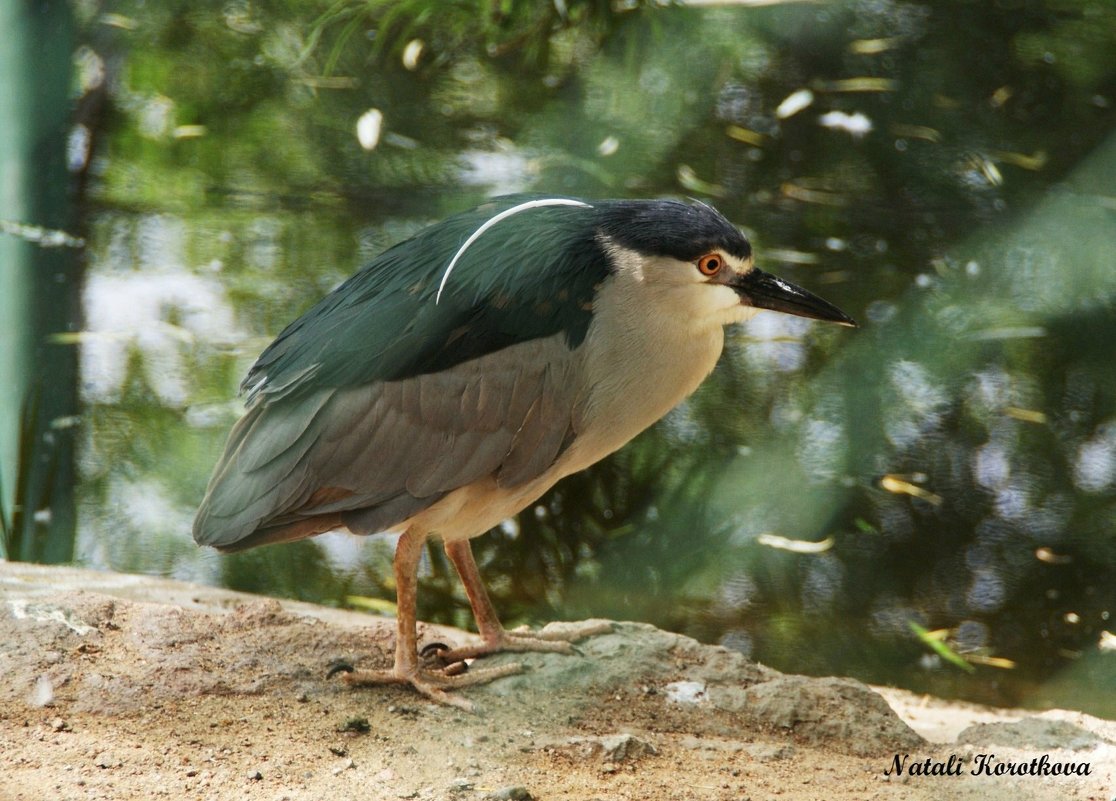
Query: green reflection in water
948,181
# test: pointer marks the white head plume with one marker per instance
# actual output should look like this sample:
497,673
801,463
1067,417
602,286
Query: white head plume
503,215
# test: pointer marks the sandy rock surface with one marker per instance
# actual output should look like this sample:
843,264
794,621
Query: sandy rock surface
131,687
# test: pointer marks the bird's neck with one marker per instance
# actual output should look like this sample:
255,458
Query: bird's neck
641,360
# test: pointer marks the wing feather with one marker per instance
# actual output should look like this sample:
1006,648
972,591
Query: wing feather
288,436
471,458
543,434
492,399
380,453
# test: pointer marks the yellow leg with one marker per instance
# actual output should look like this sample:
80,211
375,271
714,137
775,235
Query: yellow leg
555,639
406,669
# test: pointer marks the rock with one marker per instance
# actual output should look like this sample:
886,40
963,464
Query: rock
206,698
607,748
355,726
460,785
106,760
1031,733
841,713
515,793
686,692
768,752
43,692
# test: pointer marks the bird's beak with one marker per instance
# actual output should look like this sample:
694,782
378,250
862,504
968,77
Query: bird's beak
765,291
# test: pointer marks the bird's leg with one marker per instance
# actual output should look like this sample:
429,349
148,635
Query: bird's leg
406,670
556,638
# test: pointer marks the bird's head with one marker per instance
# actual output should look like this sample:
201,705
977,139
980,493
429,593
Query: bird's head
699,263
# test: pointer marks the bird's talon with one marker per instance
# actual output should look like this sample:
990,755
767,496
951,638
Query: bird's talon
436,658
339,666
432,656
433,649
433,683
456,668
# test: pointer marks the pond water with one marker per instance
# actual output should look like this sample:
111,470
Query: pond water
944,172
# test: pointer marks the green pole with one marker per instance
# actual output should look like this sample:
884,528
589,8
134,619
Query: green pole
39,284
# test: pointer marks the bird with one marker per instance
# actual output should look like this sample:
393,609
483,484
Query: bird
461,373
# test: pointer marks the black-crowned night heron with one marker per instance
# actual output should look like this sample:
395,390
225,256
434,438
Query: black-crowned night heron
460,374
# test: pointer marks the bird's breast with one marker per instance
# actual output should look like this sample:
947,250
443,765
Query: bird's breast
635,371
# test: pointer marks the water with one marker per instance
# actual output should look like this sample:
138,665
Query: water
942,172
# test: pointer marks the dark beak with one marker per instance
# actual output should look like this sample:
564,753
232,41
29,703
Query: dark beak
766,291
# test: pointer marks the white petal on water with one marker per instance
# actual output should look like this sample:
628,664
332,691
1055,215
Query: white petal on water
794,103
412,53
856,124
369,127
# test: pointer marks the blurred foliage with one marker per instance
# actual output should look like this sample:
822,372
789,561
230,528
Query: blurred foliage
522,35
946,177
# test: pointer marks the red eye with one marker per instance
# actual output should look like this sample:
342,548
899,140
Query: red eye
710,263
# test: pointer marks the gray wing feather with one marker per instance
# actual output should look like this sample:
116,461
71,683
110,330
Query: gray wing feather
228,516
287,437
437,406
543,433
262,445
391,449
470,459
373,519
491,402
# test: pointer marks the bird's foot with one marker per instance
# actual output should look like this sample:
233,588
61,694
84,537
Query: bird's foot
431,683
556,638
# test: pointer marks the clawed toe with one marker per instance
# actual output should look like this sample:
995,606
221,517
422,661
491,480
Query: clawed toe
338,666
431,683
437,657
555,638
516,644
563,631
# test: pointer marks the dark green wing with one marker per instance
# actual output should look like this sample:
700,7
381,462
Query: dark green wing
531,275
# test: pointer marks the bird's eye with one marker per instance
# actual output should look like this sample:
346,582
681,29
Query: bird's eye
710,264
